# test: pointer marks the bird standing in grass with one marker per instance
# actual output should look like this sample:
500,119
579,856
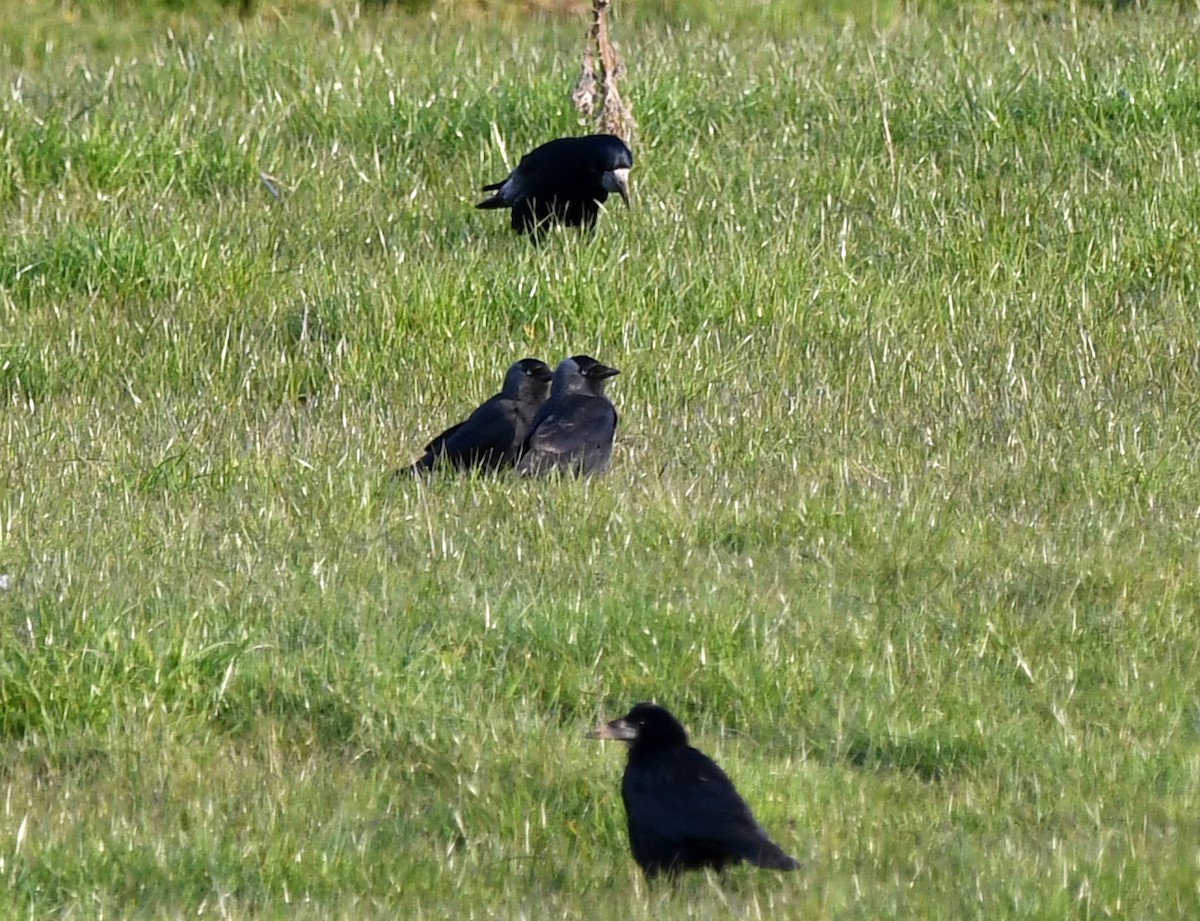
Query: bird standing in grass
563,181
683,812
574,429
492,435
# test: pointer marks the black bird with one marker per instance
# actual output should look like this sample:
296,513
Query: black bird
683,812
573,430
492,435
564,181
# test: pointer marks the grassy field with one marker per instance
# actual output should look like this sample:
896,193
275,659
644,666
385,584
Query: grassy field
903,518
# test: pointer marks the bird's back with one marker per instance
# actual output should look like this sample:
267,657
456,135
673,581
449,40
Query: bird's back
487,438
684,813
570,430
558,181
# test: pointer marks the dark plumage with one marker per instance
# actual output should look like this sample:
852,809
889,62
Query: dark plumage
563,181
574,429
683,812
492,435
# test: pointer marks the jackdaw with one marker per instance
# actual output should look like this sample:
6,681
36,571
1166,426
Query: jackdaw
573,430
683,812
492,435
563,181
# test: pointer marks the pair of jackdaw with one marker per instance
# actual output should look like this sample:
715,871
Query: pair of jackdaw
540,421
565,181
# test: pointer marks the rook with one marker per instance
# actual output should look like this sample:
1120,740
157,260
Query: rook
564,181
682,811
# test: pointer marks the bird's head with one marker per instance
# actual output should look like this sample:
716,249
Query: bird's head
526,374
581,373
617,161
645,724
617,180
536,370
592,369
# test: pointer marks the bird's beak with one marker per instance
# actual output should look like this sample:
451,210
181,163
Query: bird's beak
600,372
621,181
545,375
616,730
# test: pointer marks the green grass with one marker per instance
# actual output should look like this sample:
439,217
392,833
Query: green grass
902,521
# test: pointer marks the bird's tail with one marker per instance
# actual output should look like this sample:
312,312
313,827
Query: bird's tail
496,201
767,854
773,858
424,465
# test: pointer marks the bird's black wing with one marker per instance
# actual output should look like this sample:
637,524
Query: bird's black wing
574,428
680,797
485,439
434,451
436,445
561,180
